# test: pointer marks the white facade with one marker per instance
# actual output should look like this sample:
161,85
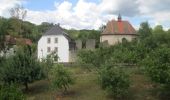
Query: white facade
114,39
48,43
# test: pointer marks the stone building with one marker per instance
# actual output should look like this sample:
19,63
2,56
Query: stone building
116,31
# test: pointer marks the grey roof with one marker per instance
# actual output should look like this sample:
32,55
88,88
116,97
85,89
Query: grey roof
57,30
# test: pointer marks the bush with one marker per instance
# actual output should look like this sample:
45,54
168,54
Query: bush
60,78
115,81
11,92
157,65
22,68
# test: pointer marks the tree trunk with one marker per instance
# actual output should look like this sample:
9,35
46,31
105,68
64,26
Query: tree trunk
65,89
26,86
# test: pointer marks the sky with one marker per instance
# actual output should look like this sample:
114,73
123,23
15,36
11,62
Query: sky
91,14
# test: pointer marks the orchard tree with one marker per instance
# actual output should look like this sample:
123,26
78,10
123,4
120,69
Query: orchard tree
114,80
22,68
61,78
157,64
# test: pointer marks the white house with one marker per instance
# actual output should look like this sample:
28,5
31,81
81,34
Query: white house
55,39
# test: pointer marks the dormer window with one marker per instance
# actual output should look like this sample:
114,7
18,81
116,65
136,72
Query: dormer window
56,40
48,40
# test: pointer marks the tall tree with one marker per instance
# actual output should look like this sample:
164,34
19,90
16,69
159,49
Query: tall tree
144,30
158,29
3,28
18,13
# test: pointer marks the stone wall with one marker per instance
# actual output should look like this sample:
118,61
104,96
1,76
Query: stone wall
90,44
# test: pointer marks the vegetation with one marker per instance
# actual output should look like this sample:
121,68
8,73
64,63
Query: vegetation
150,51
115,81
60,78
11,92
157,65
21,68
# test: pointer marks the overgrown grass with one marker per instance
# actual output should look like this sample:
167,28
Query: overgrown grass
87,87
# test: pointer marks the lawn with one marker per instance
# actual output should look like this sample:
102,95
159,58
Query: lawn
87,87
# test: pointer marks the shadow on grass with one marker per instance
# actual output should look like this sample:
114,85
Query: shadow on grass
37,87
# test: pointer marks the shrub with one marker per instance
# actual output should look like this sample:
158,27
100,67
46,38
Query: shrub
60,78
115,81
11,92
157,65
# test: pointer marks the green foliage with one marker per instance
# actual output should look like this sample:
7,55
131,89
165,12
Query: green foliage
158,29
144,30
87,58
157,65
114,80
3,27
44,27
60,78
48,63
124,53
11,92
21,68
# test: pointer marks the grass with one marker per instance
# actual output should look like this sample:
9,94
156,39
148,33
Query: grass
87,87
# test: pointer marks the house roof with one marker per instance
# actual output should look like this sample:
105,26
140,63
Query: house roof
57,30
119,27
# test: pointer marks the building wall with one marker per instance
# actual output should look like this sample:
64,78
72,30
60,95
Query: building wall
90,44
63,47
113,39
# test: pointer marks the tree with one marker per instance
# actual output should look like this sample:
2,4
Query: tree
157,64
18,13
61,78
144,30
114,80
158,29
44,26
3,28
22,68
14,27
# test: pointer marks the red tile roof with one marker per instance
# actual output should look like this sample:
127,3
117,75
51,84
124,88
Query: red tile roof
119,27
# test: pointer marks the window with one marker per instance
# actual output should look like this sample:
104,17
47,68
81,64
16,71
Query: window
56,49
48,49
56,40
48,40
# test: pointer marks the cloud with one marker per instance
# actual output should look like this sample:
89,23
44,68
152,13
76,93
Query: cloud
86,14
5,5
126,7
